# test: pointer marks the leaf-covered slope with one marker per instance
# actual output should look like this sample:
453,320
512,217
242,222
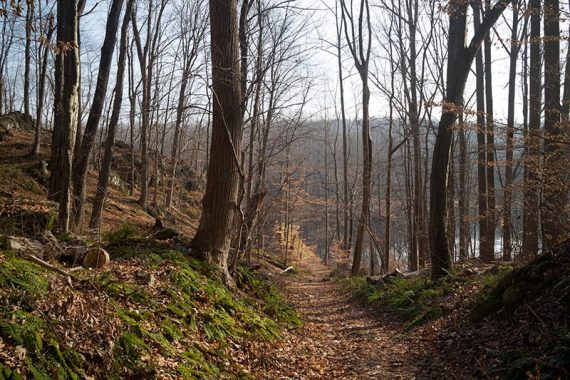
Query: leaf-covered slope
158,314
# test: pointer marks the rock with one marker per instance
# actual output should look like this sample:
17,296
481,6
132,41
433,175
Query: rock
193,185
4,133
52,246
23,245
116,181
96,258
144,278
39,171
17,120
74,254
77,242
122,145
375,280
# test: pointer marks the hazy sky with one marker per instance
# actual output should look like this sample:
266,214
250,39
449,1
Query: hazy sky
320,29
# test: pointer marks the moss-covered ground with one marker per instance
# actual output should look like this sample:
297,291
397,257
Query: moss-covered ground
153,313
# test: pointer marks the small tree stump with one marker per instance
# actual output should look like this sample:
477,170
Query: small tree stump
96,258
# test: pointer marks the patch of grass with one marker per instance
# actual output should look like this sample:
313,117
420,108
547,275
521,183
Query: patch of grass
124,232
23,275
188,303
413,299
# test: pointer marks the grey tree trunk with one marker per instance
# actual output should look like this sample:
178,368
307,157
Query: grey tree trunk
554,204
105,171
81,161
66,110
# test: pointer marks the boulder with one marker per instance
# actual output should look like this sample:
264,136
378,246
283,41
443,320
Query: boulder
96,258
40,172
23,245
52,246
74,254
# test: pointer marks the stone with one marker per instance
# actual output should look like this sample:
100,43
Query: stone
52,246
23,245
40,172
144,278
96,258
74,254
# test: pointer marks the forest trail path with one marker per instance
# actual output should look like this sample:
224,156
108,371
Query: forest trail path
341,338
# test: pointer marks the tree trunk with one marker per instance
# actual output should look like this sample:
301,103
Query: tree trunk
81,162
105,171
463,198
66,110
554,204
460,59
532,159
27,54
41,93
213,236
509,178
490,136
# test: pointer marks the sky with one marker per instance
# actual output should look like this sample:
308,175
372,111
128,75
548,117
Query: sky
321,31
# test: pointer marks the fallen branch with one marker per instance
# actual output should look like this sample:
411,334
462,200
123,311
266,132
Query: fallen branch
47,265
288,269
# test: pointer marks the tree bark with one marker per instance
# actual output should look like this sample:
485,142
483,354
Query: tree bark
554,204
532,141
81,162
66,109
460,58
212,239
105,171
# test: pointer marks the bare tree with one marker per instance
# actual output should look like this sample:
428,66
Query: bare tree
82,159
358,34
460,59
105,170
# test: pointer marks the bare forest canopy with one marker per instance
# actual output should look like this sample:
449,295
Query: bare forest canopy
167,165
390,134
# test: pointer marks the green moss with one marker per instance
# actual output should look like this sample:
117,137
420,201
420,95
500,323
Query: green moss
193,304
414,299
8,374
23,275
171,330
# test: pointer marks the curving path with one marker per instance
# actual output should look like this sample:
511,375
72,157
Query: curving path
340,339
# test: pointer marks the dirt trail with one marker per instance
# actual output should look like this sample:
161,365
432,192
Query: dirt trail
341,338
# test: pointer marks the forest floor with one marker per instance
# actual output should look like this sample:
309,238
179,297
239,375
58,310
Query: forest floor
342,338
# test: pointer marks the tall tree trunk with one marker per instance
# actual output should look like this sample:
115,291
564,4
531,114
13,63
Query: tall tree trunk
345,195
481,151
66,109
81,162
460,58
532,160
41,92
554,210
490,146
509,178
105,171
463,198
27,54
213,236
